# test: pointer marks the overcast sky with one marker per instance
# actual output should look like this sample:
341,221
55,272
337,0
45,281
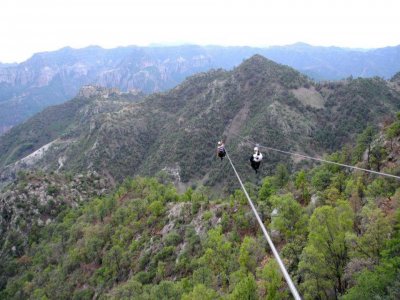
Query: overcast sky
30,26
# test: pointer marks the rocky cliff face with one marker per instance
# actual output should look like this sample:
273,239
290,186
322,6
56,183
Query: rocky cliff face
51,78
37,198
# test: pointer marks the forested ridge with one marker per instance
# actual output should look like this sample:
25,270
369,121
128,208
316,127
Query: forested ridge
337,231
121,135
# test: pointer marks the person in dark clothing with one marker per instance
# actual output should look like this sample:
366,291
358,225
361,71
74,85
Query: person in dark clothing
221,150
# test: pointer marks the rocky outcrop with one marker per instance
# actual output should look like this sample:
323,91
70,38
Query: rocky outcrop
89,91
35,198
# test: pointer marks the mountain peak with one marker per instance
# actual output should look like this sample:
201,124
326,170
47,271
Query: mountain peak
265,69
256,63
396,77
258,59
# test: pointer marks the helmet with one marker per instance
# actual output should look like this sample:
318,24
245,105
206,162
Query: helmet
255,149
219,143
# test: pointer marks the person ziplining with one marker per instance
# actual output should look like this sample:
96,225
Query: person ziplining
221,150
255,159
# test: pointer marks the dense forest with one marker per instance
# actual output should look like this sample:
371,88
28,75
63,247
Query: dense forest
337,230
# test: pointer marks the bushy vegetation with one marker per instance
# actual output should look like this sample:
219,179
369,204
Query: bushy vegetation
38,131
351,106
337,231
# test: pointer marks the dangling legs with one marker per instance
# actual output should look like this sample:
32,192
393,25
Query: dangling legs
256,166
221,155
253,164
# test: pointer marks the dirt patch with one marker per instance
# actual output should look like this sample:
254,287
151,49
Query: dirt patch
309,97
109,177
181,187
36,155
237,122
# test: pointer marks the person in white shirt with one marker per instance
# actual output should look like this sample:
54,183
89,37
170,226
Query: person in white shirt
255,159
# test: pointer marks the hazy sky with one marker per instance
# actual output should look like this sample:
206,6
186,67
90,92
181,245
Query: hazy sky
30,26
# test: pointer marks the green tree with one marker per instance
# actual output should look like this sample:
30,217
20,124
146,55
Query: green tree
218,255
380,187
364,142
383,281
94,239
272,281
393,130
338,181
303,186
267,189
321,178
245,289
281,177
355,190
203,276
249,254
156,208
166,290
331,195
317,278
112,260
326,254
378,154
291,219
187,196
201,292
131,289
291,252
375,231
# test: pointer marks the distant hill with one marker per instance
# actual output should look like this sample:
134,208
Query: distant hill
176,131
334,63
53,77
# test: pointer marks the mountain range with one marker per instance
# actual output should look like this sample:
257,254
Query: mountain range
74,225
125,134
53,77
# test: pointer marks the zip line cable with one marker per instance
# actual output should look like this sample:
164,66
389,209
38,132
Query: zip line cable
289,281
319,159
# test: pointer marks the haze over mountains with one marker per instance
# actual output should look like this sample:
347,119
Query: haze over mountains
106,131
53,77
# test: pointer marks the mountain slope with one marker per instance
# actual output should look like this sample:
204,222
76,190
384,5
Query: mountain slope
146,241
177,131
158,132
55,121
53,77
352,105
